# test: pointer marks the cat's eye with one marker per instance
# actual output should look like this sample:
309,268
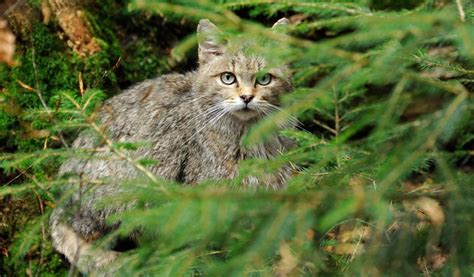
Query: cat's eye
228,78
264,79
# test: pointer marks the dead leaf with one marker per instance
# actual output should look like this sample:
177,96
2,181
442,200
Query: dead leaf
10,107
310,235
34,134
356,234
345,249
430,213
429,264
426,208
25,86
438,260
46,11
288,261
7,44
298,18
50,204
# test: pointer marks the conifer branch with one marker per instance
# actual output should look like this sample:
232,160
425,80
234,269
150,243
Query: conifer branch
122,155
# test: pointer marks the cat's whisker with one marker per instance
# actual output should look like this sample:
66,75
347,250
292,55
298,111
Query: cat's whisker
205,113
218,117
269,110
292,119
267,113
227,111
219,109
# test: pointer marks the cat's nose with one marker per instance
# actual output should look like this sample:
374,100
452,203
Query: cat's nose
246,98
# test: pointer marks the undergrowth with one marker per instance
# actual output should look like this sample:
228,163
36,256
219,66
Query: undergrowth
384,186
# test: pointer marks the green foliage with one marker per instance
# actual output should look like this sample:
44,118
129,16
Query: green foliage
46,70
384,94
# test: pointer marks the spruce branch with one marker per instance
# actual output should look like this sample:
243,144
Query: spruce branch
40,96
121,154
349,8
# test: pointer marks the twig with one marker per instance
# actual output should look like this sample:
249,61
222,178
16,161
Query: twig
354,252
320,124
40,96
349,220
81,84
17,176
462,15
106,72
43,234
38,183
122,155
114,149
13,7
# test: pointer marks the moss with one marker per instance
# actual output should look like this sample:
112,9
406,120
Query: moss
140,40
6,122
150,62
48,65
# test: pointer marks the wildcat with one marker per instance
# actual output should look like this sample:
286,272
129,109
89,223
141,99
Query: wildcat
195,123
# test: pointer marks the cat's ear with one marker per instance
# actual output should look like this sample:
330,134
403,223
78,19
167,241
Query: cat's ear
211,41
282,24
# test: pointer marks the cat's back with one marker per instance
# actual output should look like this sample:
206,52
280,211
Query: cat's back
163,90
145,112
133,112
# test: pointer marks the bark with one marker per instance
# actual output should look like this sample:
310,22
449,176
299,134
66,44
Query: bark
69,15
71,18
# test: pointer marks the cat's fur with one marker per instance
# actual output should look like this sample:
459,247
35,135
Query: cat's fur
194,123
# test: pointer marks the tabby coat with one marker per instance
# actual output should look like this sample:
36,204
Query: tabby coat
194,123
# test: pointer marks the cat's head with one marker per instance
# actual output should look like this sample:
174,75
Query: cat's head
234,79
